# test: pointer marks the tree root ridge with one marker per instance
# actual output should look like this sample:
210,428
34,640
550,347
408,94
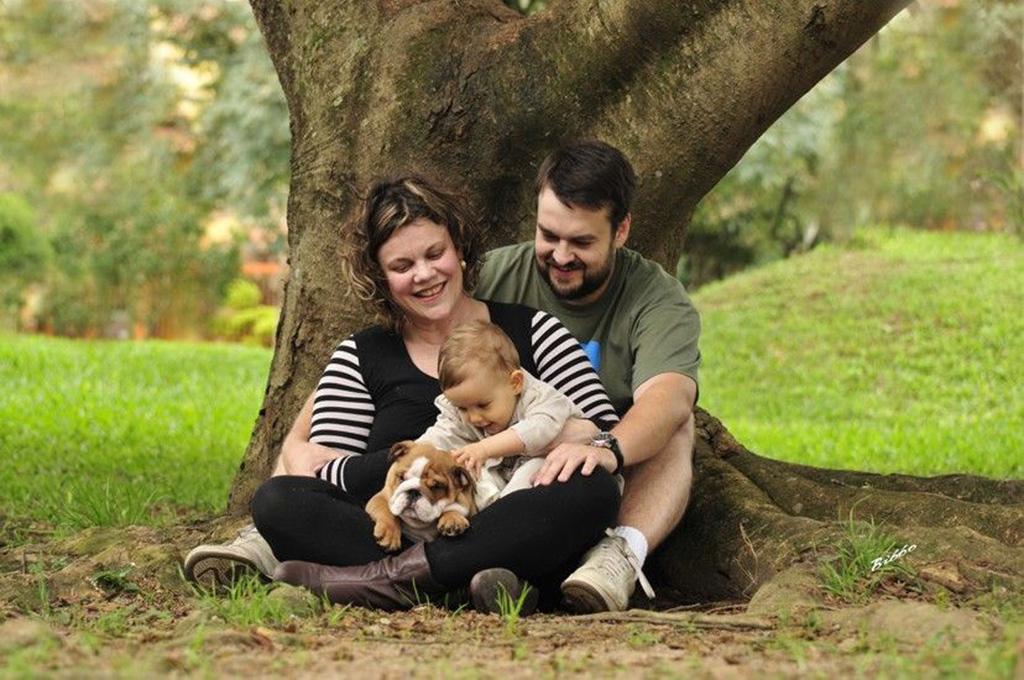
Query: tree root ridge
682,620
752,519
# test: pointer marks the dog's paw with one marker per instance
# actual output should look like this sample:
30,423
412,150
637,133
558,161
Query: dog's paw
452,524
388,535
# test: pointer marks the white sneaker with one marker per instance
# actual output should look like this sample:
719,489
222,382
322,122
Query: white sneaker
606,578
219,565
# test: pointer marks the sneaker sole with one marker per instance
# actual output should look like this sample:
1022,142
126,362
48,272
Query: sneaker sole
216,571
583,598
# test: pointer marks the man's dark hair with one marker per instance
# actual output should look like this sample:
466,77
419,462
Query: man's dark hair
592,174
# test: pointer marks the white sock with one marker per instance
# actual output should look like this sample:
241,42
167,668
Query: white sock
635,540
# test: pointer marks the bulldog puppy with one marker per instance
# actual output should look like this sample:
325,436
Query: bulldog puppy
427,490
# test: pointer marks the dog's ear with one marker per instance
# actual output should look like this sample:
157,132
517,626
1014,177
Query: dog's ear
398,450
461,478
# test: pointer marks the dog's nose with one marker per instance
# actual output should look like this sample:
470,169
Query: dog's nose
414,494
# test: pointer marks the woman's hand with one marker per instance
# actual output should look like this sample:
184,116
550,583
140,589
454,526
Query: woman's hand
305,458
575,431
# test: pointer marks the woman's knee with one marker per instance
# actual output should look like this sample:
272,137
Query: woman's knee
271,502
592,498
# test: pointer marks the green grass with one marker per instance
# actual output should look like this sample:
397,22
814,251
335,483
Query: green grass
860,565
900,352
247,603
114,433
510,608
903,351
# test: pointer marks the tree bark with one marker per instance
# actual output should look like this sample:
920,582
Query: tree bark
752,518
478,94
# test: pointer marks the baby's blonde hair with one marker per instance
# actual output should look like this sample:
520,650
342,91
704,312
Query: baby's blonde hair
475,345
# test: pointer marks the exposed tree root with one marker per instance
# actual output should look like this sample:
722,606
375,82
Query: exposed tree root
682,620
752,518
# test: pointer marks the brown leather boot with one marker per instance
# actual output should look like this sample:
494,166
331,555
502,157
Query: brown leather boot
399,581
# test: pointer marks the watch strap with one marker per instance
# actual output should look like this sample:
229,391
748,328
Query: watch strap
606,440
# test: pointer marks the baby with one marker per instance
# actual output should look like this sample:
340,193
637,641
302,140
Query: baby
495,418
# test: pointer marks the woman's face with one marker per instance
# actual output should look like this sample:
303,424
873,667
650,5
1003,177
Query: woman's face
423,271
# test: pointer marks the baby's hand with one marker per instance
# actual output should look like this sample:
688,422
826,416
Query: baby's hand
472,457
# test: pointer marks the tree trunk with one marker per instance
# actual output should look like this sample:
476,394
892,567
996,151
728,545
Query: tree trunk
478,94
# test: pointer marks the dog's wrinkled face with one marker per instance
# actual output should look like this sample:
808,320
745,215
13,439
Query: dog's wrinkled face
424,482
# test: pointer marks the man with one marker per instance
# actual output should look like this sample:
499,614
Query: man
640,330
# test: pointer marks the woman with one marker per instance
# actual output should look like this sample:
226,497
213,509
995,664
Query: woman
415,254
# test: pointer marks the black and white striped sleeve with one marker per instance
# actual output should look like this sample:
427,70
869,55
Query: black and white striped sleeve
343,409
562,364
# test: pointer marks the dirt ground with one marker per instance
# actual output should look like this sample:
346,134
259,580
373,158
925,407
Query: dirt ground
112,602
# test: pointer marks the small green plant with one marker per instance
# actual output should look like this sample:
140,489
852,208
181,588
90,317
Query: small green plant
334,613
510,608
42,590
116,580
521,651
114,623
859,566
246,602
196,658
639,637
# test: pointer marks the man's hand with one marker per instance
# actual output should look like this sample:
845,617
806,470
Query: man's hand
306,458
566,458
575,431
473,456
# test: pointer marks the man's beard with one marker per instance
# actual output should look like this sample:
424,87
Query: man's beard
592,280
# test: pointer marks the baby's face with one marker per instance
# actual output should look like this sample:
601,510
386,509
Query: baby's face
487,398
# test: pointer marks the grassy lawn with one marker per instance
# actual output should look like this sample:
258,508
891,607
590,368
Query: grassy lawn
902,352
121,433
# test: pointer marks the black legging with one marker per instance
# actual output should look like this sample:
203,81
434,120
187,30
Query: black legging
538,533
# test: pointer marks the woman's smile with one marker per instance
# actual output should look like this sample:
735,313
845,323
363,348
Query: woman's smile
420,263
428,294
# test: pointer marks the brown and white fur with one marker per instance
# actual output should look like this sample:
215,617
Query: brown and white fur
425,493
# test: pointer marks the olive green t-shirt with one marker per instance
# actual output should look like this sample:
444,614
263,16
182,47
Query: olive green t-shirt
644,323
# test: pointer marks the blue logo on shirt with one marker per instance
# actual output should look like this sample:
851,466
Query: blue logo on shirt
592,349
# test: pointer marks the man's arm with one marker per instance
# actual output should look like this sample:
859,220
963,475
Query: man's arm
661,405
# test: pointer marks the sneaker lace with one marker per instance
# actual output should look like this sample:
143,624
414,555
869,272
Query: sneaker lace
613,551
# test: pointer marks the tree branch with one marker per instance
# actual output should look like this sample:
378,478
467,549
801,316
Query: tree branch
686,88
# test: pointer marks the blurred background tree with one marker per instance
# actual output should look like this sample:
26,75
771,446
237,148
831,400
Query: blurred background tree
151,140
921,127
145,146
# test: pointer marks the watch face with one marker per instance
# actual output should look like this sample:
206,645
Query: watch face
602,439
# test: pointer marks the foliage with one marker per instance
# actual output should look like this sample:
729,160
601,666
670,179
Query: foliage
892,355
115,433
242,294
128,126
24,252
243,318
920,127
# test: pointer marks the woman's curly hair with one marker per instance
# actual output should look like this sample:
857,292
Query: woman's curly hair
390,205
